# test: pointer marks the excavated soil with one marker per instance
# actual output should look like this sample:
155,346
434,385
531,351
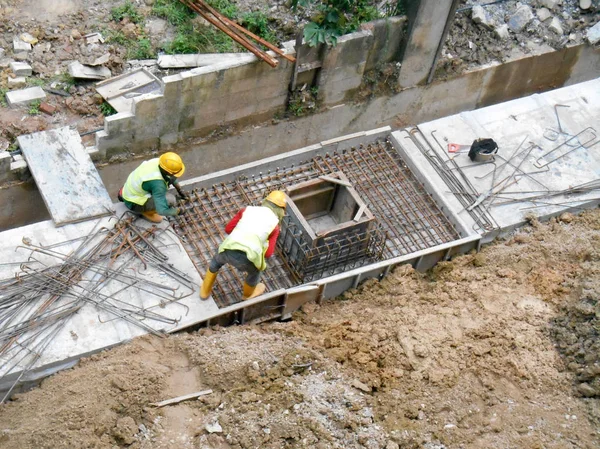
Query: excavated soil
491,350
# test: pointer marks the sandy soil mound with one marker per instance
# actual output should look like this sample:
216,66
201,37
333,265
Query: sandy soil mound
496,349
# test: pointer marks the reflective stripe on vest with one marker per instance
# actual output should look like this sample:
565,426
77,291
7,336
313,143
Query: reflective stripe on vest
147,171
251,234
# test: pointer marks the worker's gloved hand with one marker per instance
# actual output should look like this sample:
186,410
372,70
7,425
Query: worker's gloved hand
181,195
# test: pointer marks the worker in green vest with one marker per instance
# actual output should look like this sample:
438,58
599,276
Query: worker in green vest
145,191
252,238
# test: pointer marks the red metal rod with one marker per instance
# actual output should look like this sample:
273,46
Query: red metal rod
232,34
238,27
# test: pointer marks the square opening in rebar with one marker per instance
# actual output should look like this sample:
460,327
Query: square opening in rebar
327,206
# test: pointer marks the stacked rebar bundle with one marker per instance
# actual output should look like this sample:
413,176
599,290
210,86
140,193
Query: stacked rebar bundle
51,286
236,32
407,218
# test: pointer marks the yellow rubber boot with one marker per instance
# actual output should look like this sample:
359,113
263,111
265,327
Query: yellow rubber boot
152,216
253,292
207,284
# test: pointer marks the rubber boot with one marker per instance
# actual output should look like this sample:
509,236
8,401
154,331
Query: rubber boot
253,292
207,284
152,216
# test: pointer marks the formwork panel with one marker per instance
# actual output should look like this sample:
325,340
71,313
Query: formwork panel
405,215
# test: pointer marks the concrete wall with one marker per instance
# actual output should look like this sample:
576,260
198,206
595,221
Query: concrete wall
419,104
429,24
196,102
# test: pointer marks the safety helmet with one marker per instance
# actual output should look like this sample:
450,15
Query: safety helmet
172,164
277,197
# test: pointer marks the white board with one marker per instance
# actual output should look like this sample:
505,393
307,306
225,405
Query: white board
65,175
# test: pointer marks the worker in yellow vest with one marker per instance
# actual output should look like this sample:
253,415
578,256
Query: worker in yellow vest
145,191
252,237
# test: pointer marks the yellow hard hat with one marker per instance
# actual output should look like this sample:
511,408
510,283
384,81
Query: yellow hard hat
172,164
277,197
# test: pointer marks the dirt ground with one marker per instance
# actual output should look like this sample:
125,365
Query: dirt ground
497,349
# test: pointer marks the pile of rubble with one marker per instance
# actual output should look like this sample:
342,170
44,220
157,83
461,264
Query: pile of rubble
504,30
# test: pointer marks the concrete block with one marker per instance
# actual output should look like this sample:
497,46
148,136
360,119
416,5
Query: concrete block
118,123
388,35
80,71
192,80
21,68
95,154
112,145
17,82
18,166
25,96
5,161
201,60
146,107
20,46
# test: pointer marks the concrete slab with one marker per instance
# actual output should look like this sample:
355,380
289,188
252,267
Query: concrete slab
120,90
17,82
65,175
21,68
25,96
80,71
92,330
546,156
19,45
201,60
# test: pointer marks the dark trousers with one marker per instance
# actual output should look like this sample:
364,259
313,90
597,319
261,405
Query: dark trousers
149,205
238,260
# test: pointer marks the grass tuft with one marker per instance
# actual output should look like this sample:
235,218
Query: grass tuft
126,10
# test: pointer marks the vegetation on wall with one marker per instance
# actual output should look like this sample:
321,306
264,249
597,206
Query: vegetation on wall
334,18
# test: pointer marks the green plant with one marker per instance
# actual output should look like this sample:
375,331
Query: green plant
36,82
128,10
303,101
14,146
199,39
257,22
175,12
335,18
67,80
140,49
225,7
116,37
3,92
106,109
34,107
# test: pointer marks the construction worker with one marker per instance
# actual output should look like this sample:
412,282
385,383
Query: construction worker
145,191
252,237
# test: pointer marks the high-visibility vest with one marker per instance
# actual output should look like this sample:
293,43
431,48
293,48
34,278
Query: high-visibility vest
147,171
251,234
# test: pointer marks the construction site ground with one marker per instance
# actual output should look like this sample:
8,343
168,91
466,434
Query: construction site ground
494,349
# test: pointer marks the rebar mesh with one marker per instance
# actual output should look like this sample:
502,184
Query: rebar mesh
407,218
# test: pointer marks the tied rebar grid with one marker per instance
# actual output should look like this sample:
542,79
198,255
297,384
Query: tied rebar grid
406,216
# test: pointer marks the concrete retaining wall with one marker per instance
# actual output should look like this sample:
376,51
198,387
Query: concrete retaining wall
196,102
469,91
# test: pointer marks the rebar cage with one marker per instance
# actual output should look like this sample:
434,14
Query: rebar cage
406,219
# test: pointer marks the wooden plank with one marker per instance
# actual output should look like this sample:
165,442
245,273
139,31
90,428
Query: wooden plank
179,399
69,183
335,181
360,212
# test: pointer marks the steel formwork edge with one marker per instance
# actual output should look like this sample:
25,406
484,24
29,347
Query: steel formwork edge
280,304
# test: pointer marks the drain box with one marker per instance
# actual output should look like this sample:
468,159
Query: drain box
326,207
